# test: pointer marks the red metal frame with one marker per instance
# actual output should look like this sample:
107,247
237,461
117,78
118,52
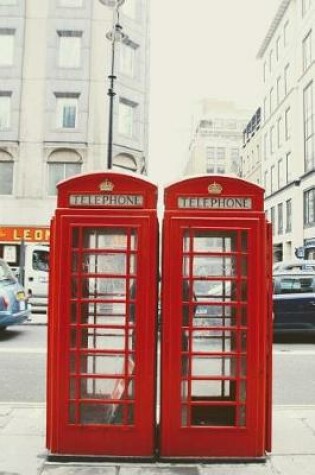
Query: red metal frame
102,341
202,419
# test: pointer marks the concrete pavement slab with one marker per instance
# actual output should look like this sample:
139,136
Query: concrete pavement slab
238,469
292,434
28,420
159,469
294,465
78,469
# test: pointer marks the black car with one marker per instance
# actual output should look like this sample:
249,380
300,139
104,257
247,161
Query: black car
294,302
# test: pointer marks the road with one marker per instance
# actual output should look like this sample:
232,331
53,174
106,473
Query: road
23,368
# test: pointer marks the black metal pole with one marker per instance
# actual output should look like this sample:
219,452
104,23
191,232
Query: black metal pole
111,94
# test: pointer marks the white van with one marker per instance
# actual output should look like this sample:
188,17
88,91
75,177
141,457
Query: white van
35,276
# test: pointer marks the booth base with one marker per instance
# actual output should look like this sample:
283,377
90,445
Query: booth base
157,459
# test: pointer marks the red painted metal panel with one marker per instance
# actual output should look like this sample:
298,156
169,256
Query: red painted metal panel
211,423
102,325
216,321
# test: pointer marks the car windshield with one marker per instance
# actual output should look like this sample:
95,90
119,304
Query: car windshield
6,272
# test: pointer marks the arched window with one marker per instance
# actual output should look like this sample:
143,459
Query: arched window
62,164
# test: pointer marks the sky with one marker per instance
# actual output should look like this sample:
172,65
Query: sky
200,49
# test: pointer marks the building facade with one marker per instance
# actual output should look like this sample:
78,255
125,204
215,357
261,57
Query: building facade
215,144
54,66
286,138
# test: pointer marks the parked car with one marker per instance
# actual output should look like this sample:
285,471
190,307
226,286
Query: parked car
294,302
14,307
300,264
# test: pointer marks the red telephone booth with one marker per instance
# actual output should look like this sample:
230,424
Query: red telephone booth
102,317
216,322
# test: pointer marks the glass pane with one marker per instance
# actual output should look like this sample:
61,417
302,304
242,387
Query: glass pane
102,339
215,290
217,366
121,414
242,416
215,315
203,341
213,266
212,389
108,263
244,241
211,415
102,388
212,241
99,364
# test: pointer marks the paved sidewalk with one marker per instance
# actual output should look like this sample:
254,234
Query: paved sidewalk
22,448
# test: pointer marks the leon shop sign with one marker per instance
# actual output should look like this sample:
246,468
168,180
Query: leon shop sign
27,234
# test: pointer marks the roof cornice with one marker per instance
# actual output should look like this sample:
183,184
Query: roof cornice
274,25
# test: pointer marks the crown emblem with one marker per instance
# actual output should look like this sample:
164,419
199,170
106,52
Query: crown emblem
215,188
107,185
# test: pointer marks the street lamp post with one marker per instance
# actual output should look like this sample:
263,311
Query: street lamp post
114,36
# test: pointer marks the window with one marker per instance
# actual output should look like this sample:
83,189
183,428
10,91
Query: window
265,146
5,110
286,79
279,90
67,111
281,175
278,48
69,49
271,96
127,59
6,46
60,171
70,3
272,140
210,153
220,153
265,109
129,9
265,71
294,285
307,50
273,219
257,154
309,207
235,158
6,178
306,4
280,218
288,167
287,123
126,118
280,131
309,158
288,216
286,33
270,60
273,179
266,184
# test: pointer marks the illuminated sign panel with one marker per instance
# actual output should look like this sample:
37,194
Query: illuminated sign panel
227,202
107,201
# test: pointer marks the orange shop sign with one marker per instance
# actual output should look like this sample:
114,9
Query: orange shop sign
27,234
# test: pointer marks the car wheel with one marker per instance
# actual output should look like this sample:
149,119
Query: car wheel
2,329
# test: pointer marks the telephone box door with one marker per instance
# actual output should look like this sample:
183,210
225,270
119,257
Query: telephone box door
213,340
107,359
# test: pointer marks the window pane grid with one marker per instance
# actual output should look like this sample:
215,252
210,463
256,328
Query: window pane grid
102,331
214,329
